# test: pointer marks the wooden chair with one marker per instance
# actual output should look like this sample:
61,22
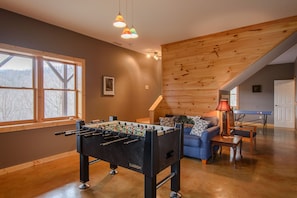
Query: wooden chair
248,133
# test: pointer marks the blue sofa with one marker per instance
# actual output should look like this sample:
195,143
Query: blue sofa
200,147
195,146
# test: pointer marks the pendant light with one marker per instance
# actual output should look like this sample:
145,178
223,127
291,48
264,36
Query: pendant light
133,33
133,30
126,34
119,20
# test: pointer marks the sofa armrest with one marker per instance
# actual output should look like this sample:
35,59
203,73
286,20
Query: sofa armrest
210,133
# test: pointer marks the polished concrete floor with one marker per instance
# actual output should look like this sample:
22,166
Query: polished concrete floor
271,172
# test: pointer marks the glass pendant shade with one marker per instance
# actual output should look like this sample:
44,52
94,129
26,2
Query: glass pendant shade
133,33
119,21
126,33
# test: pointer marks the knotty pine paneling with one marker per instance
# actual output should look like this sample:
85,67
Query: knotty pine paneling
194,70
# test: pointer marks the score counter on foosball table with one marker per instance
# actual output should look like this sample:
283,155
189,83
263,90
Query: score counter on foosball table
144,148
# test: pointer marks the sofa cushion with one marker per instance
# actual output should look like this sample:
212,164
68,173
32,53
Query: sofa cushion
167,121
192,140
199,126
187,130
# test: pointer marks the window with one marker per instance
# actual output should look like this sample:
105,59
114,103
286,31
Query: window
35,88
234,98
16,87
59,89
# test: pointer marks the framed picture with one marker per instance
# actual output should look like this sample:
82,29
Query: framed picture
108,85
257,88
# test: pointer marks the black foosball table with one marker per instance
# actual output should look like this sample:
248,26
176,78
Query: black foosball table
144,148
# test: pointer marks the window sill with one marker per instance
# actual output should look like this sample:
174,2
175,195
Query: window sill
20,127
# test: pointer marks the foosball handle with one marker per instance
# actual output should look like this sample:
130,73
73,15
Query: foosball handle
60,133
68,133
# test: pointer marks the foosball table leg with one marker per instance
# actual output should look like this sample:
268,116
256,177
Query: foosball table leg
175,181
150,190
84,186
84,171
113,170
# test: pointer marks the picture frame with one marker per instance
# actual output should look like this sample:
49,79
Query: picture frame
257,88
108,85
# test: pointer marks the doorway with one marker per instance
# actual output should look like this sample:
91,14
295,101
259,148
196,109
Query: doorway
284,103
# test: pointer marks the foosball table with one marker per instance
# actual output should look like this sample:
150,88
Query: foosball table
144,148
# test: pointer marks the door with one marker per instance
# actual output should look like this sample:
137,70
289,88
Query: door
284,103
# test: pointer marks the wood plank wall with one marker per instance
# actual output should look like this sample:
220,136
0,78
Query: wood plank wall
194,70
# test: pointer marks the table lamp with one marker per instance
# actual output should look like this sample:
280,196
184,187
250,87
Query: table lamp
223,107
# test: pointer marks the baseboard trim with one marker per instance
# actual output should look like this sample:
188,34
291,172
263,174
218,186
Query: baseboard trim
11,169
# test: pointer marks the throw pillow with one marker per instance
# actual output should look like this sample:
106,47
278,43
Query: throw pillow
213,121
167,121
199,126
191,119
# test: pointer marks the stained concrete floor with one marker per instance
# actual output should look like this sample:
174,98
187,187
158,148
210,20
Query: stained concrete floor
270,172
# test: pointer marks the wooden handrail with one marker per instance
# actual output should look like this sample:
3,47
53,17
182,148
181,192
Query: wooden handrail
152,109
156,103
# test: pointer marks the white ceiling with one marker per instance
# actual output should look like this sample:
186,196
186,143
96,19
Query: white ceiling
156,21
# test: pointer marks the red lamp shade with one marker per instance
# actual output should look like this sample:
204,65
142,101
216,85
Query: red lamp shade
223,105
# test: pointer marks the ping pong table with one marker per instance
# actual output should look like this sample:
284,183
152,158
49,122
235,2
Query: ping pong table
239,115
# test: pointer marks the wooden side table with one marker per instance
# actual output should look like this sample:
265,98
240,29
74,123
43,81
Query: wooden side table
229,141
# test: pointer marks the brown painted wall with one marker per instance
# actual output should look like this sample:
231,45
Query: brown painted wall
263,100
132,71
194,70
29,145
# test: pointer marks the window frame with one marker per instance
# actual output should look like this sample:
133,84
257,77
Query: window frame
38,120
236,89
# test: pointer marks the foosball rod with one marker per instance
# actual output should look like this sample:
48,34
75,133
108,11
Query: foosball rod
63,132
77,132
132,141
70,132
86,132
94,161
166,179
114,141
